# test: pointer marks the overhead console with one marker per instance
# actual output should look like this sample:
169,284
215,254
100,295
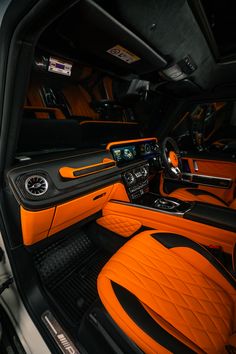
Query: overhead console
115,47
53,64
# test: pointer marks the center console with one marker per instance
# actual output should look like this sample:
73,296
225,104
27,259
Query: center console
164,204
141,152
136,181
137,184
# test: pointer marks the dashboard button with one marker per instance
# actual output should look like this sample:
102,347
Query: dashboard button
144,171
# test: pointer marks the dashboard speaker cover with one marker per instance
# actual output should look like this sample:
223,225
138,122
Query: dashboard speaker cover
36,185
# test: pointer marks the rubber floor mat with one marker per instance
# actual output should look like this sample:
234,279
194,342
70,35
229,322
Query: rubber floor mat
69,270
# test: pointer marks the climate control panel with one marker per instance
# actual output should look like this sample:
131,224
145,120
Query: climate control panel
136,181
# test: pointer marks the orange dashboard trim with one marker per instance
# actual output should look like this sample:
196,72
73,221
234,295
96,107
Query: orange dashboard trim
38,225
35,225
68,172
119,193
128,142
78,209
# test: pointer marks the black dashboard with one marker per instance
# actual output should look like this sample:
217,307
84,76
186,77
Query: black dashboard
39,184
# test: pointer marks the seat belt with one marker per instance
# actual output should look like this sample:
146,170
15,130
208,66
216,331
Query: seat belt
234,258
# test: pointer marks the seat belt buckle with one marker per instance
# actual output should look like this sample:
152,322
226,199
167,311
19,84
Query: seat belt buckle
230,349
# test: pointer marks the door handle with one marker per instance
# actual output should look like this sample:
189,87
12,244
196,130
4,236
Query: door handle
195,165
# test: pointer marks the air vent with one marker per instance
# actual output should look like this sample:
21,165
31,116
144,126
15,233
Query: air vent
36,185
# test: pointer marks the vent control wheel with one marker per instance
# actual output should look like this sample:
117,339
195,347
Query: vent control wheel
129,178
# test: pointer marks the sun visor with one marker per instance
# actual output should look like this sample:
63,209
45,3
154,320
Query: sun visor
103,41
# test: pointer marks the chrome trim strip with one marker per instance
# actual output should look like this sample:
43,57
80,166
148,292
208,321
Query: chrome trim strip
179,214
195,165
174,204
191,175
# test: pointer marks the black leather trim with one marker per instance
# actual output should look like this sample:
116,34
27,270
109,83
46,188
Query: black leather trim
175,240
140,316
196,191
141,229
213,215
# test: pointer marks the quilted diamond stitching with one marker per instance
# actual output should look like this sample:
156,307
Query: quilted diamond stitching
120,225
198,308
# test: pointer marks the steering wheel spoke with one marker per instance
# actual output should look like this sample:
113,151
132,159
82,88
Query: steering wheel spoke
171,158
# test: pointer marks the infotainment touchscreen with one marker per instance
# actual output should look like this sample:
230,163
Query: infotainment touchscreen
123,154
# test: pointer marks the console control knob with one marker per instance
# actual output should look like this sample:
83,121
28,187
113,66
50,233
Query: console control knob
163,201
129,178
156,148
144,171
147,148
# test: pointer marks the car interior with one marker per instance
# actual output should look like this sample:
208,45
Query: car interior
120,187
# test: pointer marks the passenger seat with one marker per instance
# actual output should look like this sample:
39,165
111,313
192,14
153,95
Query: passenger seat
168,294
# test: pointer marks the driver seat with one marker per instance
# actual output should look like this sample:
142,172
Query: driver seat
200,195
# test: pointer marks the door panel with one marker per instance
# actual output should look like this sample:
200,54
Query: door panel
215,168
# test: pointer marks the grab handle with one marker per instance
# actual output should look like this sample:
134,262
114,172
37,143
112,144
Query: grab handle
70,172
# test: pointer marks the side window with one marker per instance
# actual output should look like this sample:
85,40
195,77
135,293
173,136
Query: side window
207,127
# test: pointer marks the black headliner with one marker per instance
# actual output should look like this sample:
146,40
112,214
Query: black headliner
165,32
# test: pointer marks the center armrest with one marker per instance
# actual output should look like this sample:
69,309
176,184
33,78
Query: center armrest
217,216
201,231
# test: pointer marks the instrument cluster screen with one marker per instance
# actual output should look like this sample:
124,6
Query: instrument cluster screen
148,148
126,153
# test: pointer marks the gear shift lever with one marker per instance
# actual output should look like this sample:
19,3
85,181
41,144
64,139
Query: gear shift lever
166,204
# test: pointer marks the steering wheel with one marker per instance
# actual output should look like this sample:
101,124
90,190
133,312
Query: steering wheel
171,158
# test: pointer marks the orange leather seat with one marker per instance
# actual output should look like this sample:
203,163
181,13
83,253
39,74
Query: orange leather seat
169,295
200,195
